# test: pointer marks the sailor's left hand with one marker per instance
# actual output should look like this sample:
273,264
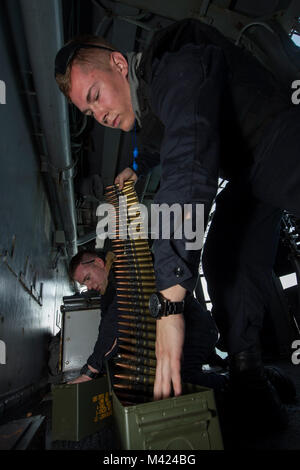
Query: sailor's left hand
80,379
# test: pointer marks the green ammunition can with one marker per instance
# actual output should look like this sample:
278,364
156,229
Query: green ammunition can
187,422
79,410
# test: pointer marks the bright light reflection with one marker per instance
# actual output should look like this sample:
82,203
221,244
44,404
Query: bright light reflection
289,280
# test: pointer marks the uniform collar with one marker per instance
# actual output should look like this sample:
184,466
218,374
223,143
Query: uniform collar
133,59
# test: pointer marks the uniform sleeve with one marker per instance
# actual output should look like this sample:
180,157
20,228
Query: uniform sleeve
186,94
108,330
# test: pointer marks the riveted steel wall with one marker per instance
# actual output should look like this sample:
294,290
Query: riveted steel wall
31,283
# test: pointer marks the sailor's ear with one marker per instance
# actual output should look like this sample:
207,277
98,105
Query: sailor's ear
118,61
99,262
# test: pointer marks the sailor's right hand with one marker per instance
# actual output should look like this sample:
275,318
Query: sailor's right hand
168,348
126,175
80,379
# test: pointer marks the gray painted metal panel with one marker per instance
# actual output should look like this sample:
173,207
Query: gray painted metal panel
29,285
80,334
227,21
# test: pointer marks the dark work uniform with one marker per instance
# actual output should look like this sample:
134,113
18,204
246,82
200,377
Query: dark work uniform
108,329
200,338
221,113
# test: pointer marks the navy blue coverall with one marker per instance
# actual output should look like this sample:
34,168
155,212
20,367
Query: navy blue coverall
223,115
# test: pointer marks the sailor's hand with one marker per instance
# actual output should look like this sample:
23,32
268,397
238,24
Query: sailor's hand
125,175
83,377
169,345
80,379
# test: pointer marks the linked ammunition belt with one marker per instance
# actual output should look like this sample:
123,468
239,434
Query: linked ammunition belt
134,365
